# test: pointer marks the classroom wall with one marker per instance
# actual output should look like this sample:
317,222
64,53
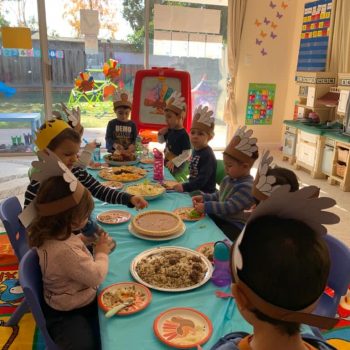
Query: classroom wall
277,67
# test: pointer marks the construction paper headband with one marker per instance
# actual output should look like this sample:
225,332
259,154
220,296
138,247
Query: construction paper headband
303,206
242,146
74,118
176,103
122,99
263,183
203,120
49,165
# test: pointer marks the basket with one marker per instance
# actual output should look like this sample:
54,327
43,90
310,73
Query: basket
343,154
340,169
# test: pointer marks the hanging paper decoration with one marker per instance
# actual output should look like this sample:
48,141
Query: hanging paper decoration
108,91
84,82
111,69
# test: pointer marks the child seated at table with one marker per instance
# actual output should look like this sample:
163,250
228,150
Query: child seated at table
227,206
280,265
203,161
178,146
121,132
70,273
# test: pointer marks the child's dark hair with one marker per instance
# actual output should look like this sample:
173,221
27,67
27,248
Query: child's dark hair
254,156
115,107
284,177
286,263
66,134
57,226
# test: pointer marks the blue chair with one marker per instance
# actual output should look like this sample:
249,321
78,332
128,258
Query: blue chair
10,208
30,278
338,280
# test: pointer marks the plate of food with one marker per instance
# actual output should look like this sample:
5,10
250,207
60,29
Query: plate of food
120,159
97,166
147,160
149,238
137,294
123,173
114,217
156,223
171,269
182,327
189,214
169,184
207,249
116,185
147,190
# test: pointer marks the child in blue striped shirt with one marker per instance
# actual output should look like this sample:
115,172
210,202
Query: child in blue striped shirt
227,206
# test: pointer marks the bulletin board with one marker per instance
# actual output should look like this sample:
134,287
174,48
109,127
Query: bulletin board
260,104
315,36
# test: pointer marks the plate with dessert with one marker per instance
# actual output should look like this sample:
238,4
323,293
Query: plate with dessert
113,217
171,269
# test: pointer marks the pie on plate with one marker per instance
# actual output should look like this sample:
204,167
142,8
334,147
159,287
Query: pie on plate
189,214
150,238
183,328
113,217
119,293
123,173
171,269
116,185
156,223
146,190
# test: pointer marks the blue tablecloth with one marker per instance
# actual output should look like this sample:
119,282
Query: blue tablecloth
136,331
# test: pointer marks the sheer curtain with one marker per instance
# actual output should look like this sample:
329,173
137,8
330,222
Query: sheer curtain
339,53
236,14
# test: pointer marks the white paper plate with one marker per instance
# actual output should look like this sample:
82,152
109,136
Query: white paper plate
158,250
148,238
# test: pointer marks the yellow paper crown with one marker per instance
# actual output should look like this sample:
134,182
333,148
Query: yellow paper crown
49,131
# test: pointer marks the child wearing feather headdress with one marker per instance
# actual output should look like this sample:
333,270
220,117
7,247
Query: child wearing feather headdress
178,146
227,206
203,161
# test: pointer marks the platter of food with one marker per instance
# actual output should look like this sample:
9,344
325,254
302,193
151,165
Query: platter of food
113,217
189,214
120,159
182,327
123,173
147,190
207,249
116,185
136,294
171,269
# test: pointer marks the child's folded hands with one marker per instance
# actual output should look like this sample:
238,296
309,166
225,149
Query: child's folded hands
103,244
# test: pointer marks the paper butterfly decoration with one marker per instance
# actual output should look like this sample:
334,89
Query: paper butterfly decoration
247,144
258,42
273,35
272,5
279,15
177,100
263,34
274,25
284,5
257,23
263,52
204,115
266,21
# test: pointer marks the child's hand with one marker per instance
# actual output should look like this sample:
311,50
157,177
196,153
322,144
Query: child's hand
199,207
197,199
178,188
163,131
170,165
131,148
103,244
139,202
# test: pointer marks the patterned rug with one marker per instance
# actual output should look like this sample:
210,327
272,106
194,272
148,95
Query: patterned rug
26,336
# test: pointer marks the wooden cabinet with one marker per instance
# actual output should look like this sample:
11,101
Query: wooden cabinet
309,153
289,143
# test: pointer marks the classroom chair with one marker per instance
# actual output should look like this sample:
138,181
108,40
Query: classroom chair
30,278
10,208
220,171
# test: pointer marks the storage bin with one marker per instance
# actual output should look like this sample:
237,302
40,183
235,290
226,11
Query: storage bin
343,154
340,169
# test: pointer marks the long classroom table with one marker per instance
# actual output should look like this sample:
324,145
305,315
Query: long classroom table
136,331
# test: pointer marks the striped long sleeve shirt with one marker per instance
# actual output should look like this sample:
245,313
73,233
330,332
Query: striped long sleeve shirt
103,193
229,203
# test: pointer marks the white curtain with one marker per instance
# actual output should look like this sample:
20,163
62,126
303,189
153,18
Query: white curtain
236,14
339,52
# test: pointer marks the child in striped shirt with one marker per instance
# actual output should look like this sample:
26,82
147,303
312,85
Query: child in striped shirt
227,206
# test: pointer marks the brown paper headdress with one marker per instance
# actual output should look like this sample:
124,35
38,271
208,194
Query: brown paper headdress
203,120
242,146
301,205
122,99
49,165
176,103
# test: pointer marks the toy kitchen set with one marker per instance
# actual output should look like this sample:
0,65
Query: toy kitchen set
318,138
